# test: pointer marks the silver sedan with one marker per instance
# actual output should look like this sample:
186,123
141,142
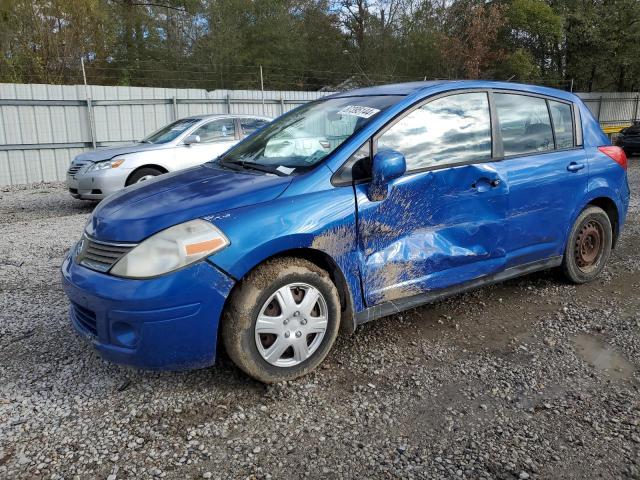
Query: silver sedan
184,143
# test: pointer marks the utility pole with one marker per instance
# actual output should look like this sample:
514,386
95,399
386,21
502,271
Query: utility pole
262,89
92,132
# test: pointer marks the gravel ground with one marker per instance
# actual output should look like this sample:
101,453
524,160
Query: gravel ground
533,378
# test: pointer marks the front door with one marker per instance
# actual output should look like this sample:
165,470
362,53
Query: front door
216,137
443,222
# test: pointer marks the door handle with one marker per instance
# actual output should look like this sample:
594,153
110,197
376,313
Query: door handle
574,167
483,184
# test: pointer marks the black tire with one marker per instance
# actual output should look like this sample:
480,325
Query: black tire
136,176
588,246
246,303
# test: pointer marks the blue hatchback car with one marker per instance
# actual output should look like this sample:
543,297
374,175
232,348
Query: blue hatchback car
346,209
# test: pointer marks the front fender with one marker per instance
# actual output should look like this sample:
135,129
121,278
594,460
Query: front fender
323,221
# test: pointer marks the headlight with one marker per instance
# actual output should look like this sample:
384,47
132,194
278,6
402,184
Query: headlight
171,249
115,163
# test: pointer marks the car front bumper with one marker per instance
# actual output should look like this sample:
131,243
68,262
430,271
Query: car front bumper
98,184
168,322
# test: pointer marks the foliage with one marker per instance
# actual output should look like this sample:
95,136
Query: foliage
313,44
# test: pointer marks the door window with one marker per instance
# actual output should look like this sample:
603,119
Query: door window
562,124
524,124
449,130
218,130
250,125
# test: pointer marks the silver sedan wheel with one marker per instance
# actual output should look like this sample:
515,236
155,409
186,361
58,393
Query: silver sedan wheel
291,325
145,178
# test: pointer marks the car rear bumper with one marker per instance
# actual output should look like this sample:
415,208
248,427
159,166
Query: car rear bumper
169,322
97,185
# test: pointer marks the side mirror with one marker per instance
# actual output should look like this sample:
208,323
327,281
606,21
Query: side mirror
387,166
191,139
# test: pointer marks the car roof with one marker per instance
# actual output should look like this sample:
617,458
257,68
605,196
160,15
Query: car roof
223,115
406,88
409,88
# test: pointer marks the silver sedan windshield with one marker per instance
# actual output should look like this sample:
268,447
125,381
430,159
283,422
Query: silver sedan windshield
171,131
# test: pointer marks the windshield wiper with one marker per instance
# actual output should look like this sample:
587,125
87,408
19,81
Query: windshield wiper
145,141
253,166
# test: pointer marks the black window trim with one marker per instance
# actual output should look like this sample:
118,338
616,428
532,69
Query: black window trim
547,98
420,104
407,111
497,149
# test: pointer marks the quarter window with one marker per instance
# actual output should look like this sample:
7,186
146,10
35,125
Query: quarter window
524,124
448,130
218,130
562,124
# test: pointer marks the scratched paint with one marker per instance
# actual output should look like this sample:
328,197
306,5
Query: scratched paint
431,231
336,241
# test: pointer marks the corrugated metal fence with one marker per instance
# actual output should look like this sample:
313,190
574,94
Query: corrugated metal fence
613,108
42,127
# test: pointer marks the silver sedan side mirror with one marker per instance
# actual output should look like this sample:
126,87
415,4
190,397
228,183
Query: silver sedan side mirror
191,139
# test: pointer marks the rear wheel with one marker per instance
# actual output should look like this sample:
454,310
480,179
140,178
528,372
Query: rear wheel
282,320
142,175
589,246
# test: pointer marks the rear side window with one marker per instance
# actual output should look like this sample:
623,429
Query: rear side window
250,125
562,124
448,130
524,124
218,130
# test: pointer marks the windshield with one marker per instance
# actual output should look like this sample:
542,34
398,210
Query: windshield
302,138
171,131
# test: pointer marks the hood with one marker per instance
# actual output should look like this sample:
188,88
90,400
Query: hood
141,210
107,153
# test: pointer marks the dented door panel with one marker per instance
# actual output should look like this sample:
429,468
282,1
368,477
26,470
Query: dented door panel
435,229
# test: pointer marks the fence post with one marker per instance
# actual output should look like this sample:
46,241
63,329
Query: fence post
635,112
281,106
599,108
92,124
175,108
228,103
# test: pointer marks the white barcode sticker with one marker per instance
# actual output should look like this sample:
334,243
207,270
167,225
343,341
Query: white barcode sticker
358,111
285,170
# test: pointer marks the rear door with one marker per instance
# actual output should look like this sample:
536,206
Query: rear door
443,222
547,173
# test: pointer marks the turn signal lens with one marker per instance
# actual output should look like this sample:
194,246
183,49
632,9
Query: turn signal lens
105,165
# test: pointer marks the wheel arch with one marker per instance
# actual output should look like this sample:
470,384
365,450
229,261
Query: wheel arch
611,209
150,165
328,264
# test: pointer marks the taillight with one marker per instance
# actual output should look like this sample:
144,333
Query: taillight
616,154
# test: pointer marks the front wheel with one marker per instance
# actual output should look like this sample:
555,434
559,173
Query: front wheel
282,320
589,246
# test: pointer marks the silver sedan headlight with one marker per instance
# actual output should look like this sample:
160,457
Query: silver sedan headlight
171,249
105,165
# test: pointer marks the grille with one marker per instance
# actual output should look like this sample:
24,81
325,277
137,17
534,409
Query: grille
75,168
101,256
85,318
